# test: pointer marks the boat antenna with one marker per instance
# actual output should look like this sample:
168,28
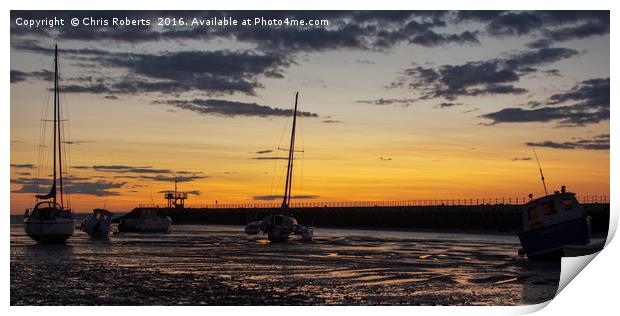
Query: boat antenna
289,170
542,177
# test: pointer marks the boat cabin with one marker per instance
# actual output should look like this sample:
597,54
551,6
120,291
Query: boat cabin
47,210
102,215
551,209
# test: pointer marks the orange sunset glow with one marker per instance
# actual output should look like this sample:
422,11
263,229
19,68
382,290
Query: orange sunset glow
380,119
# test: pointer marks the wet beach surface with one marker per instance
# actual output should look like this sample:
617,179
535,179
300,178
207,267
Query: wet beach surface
220,265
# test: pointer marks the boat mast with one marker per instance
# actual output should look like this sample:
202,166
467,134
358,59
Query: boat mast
289,171
55,119
542,177
58,122
56,137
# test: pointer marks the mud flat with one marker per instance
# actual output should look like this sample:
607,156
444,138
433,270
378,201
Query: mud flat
502,218
219,265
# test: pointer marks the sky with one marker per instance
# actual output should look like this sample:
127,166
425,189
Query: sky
393,105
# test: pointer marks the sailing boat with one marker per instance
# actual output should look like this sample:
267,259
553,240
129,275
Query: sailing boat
552,223
50,221
279,226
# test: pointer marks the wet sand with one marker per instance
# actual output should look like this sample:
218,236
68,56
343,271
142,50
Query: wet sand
220,265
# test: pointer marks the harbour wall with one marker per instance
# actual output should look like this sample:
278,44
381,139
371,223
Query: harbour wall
502,218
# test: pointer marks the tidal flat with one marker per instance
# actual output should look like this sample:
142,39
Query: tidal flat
220,265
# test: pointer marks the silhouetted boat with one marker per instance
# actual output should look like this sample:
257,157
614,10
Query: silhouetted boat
551,223
146,221
99,224
50,221
280,226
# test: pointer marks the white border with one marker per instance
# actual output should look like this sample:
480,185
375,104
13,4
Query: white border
593,291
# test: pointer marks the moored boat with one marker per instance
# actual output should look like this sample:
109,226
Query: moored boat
99,224
279,226
50,221
551,223
146,221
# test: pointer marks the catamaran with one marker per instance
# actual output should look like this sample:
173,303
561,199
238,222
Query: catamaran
280,225
50,221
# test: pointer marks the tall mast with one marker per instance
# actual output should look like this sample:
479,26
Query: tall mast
542,177
55,118
289,171
58,122
56,136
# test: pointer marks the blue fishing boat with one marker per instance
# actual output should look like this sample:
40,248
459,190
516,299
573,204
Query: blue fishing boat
551,223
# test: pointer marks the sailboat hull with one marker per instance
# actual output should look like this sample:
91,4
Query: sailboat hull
53,231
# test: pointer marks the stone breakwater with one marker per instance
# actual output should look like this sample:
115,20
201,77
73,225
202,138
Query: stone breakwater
506,218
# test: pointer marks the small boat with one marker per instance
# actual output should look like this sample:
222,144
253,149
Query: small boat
99,224
553,223
146,221
279,226
50,221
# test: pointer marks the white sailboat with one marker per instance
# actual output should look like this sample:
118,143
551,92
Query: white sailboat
50,221
279,226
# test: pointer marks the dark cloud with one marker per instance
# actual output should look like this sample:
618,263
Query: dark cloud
266,151
76,142
553,25
164,177
598,142
521,158
590,104
385,158
331,121
448,104
552,72
382,101
71,185
129,169
278,197
477,78
147,173
19,76
210,72
23,165
193,192
231,108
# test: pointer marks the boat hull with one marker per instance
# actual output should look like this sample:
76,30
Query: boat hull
547,242
97,229
54,231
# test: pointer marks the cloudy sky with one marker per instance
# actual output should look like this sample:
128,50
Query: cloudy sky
394,105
